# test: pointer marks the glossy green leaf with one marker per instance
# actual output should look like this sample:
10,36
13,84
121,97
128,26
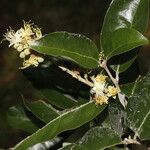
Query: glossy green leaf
121,25
74,46
128,89
97,139
18,119
58,99
42,110
123,61
67,121
121,41
141,16
124,66
138,109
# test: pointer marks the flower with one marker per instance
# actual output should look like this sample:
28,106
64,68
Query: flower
21,41
100,78
33,60
112,91
101,100
99,84
101,91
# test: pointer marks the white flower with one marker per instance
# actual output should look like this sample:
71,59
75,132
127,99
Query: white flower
101,91
33,60
21,41
98,88
99,84
112,91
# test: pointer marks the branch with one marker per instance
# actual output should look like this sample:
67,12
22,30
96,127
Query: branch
114,80
121,96
76,76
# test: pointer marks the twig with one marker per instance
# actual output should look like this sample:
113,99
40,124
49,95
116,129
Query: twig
78,77
114,80
121,96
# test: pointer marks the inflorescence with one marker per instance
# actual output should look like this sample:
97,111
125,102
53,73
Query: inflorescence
21,41
101,91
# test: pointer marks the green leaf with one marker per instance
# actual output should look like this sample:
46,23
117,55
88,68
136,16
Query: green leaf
127,89
121,41
141,16
119,32
58,99
67,121
97,138
42,110
123,67
123,61
74,46
138,109
17,118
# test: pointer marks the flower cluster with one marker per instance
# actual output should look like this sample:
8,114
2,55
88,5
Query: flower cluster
102,91
21,41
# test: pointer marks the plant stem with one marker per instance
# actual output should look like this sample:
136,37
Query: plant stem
121,96
78,77
114,80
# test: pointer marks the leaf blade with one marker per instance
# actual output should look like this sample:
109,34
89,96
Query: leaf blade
74,46
94,138
58,99
42,110
123,40
138,109
17,118
123,15
69,120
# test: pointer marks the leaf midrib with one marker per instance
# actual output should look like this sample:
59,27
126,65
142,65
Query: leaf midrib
145,118
85,56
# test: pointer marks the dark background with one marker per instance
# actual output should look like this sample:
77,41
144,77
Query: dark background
78,16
